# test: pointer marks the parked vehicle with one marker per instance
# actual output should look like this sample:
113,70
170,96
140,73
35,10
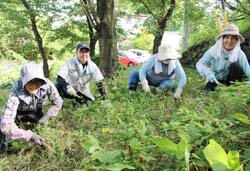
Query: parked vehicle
144,55
129,59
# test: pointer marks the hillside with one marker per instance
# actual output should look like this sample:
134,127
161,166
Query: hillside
139,131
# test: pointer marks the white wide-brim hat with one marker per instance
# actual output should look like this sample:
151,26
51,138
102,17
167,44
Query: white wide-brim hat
166,51
231,29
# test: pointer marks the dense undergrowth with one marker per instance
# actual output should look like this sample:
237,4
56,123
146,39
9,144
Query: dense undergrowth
143,131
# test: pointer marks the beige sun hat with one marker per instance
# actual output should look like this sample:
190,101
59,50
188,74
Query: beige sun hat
231,29
166,51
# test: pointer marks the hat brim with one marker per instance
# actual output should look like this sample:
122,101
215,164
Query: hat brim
234,33
166,56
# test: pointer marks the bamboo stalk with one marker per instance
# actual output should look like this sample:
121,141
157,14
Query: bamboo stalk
225,18
218,22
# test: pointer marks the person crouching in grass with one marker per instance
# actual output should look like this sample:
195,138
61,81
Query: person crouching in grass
26,99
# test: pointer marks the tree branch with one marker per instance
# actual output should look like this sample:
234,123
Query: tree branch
170,10
92,10
86,12
147,7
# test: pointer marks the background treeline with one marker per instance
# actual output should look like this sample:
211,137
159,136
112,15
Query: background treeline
47,30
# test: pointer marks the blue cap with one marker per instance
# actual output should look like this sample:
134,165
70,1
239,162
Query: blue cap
82,46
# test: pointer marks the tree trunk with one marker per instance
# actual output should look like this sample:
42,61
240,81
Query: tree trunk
161,25
38,38
93,39
186,25
107,37
158,37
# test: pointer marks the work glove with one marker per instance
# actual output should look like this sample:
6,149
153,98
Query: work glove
211,78
177,93
37,139
43,119
145,86
71,91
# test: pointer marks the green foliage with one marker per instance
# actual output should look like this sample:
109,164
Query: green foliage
170,147
143,41
219,159
241,117
140,131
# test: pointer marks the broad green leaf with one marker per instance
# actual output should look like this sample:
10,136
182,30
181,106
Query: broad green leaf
181,148
234,160
92,144
241,117
116,167
165,144
107,156
216,156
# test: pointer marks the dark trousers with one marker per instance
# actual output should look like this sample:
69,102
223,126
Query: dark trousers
235,73
21,118
82,99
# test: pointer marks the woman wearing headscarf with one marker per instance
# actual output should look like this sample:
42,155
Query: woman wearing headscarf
225,62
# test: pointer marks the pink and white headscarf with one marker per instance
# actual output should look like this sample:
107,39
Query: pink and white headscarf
218,49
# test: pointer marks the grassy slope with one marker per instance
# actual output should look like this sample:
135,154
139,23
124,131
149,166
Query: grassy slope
121,134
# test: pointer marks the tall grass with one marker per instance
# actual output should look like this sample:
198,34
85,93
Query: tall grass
129,131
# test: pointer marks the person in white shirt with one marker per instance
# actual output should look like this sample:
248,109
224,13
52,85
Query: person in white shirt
76,73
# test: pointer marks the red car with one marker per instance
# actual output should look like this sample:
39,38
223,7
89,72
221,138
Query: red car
129,59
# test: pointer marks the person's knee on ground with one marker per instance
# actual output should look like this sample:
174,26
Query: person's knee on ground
235,73
133,80
61,90
167,85
3,143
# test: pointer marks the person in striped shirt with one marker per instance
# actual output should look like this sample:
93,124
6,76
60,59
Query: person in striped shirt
26,99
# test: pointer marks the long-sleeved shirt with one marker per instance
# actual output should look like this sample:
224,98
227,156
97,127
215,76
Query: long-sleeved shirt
150,64
79,77
220,67
20,100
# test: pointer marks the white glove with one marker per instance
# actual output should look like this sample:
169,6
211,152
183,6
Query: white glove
37,139
211,78
43,119
145,86
71,91
177,93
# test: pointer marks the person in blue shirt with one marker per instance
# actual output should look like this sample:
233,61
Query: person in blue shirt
160,71
225,62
